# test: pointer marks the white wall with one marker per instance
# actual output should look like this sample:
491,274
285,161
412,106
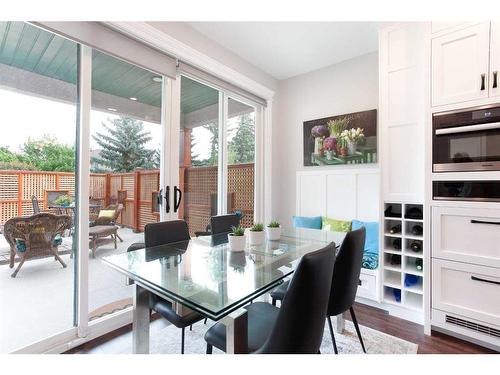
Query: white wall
193,38
349,86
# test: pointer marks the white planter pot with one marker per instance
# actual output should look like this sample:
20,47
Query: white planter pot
256,238
237,243
273,234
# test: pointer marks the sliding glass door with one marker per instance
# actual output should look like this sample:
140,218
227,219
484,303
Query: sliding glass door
217,155
39,105
199,153
126,148
240,176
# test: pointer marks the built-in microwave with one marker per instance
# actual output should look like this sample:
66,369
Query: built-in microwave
466,140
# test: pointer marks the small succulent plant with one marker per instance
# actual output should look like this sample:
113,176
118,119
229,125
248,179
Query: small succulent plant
238,231
257,227
273,224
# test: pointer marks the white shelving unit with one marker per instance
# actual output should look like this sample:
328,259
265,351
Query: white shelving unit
400,260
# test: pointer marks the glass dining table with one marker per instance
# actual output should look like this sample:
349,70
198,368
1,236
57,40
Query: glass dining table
203,275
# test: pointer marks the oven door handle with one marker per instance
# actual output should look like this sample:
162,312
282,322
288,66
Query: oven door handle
468,128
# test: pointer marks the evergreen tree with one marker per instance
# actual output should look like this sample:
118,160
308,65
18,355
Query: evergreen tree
123,148
214,143
242,146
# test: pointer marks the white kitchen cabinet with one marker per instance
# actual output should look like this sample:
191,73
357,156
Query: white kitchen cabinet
460,65
468,290
495,60
470,235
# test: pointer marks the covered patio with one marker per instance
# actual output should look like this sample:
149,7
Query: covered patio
45,284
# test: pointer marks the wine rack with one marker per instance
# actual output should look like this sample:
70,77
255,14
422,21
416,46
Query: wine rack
402,255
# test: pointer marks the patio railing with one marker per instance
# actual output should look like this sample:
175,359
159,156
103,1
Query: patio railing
134,189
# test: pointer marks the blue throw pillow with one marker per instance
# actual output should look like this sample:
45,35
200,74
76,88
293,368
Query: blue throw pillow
371,242
312,222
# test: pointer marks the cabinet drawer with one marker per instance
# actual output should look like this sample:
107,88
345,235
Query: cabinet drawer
367,287
467,235
465,289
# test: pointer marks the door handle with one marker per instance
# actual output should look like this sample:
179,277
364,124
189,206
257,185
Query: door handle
484,222
167,199
495,83
159,197
484,280
177,202
483,79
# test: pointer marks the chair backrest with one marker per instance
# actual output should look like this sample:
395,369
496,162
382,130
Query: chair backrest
346,272
223,223
36,206
37,231
301,320
165,232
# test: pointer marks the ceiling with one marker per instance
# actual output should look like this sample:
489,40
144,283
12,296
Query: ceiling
287,49
29,48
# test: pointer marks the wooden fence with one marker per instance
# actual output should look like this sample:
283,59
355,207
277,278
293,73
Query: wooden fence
134,189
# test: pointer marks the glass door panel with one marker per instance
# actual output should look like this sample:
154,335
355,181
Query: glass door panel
240,136
38,96
199,154
125,152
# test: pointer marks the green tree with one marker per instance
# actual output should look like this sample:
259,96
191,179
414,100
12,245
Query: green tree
242,145
47,154
123,147
213,128
12,161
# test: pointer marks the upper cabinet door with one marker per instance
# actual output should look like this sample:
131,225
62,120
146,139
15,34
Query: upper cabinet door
460,65
495,59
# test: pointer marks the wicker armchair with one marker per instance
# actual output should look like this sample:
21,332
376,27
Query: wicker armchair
35,237
106,220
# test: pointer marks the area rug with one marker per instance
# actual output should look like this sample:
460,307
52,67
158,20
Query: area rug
168,341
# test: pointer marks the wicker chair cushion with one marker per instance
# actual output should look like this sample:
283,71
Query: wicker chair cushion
107,214
21,245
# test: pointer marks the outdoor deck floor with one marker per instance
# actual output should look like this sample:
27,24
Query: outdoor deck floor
39,301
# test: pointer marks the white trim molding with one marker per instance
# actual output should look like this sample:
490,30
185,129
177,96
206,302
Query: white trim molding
166,43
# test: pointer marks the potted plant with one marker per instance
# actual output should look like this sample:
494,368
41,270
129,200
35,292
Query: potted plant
237,239
273,231
330,145
319,133
353,137
342,146
337,126
257,234
63,200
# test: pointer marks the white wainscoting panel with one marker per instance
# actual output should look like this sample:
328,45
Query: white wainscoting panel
341,194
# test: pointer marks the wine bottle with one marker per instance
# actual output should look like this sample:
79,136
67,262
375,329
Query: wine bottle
395,229
395,260
416,246
396,243
417,230
419,264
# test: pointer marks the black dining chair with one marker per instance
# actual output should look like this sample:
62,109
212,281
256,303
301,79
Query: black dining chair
295,328
224,223
344,284
164,233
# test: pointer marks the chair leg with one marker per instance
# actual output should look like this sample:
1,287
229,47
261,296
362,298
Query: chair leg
205,321
191,327
182,340
18,266
12,257
56,255
333,336
209,349
355,321
274,302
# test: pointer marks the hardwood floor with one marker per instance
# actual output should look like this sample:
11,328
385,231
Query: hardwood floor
438,343
368,316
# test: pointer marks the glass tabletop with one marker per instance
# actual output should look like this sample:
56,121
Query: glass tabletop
204,275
